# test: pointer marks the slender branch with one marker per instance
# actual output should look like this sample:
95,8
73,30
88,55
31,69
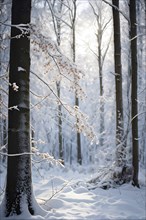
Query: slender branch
3,76
16,155
40,101
50,90
53,14
141,113
125,16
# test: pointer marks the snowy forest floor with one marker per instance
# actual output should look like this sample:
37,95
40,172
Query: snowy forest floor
64,192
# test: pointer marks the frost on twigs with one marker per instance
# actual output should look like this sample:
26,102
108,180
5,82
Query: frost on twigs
67,69
82,124
46,157
38,157
23,28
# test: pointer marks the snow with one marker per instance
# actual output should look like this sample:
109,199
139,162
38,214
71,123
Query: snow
21,69
64,194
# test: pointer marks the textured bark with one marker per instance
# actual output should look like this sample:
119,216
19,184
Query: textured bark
118,85
134,106
19,181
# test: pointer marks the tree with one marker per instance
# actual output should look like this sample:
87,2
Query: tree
57,7
58,85
118,86
134,104
3,93
18,192
78,136
141,81
101,26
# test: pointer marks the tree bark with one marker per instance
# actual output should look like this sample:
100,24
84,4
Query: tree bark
134,104
118,86
18,191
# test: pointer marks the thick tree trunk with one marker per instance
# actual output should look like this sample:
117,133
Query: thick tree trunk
19,183
134,107
18,194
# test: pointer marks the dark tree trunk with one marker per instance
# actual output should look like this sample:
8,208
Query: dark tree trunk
118,85
134,106
19,181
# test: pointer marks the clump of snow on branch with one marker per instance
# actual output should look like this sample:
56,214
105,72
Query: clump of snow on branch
15,107
45,157
21,69
15,87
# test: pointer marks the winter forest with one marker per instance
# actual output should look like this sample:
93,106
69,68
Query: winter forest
73,109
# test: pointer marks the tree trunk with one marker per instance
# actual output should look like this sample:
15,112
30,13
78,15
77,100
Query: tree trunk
18,194
78,136
134,104
58,85
19,183
118,86
61,153
100,64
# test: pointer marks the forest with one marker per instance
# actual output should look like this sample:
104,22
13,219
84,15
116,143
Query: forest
73,109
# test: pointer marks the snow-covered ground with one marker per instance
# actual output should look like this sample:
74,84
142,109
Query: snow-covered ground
64,194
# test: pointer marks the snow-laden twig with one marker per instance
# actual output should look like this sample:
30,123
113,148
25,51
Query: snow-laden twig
66,68
16,155
15,107
34,152
141,113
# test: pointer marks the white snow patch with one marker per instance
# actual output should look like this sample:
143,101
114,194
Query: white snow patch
75,201
21,69
15,87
